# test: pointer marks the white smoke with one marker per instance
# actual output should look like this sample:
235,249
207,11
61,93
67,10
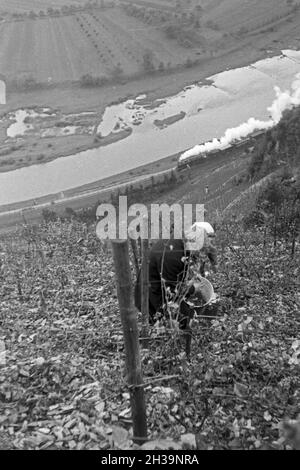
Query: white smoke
283,101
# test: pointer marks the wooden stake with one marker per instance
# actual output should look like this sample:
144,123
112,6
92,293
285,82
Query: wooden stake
145,284
131,339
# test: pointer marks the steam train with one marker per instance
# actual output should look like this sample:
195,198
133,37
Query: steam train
246,144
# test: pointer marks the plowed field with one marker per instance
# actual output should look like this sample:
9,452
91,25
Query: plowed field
106,42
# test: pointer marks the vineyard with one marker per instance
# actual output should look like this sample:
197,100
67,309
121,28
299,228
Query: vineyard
21,6
63,385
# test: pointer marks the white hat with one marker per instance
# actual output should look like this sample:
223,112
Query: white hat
196,237
207,227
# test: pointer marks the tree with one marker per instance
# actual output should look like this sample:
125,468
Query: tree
161,67
32,15
148,59
117,71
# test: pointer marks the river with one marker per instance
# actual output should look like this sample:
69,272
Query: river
226,100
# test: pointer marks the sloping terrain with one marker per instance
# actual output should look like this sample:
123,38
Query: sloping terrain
62,383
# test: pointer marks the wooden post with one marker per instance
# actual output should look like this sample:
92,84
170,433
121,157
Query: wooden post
145,283
135,256
131,339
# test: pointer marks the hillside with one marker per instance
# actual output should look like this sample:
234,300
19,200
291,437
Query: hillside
62,385
279,147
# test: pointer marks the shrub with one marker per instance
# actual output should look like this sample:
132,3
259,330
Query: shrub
25,83
49,216
88,80
148,61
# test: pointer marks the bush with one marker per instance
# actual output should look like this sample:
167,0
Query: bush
49,216
255,219
25,83
70,212
148,61
281,145
88,80
280,202
7,161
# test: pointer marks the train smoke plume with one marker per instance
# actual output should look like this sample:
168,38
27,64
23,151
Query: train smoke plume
283,101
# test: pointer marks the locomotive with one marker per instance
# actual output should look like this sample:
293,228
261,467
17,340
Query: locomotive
246,144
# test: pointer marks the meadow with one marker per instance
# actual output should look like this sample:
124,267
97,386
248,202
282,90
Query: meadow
63,384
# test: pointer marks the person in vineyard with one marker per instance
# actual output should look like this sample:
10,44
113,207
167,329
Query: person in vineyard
169,269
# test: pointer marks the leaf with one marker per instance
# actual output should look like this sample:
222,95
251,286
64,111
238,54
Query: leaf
209,375
240,389
100,407
296,345
125,413
267,416
40,361
44,430
24,373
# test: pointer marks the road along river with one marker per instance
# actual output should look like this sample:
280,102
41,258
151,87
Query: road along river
198,113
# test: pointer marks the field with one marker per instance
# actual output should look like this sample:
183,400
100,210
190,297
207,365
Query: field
107,43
